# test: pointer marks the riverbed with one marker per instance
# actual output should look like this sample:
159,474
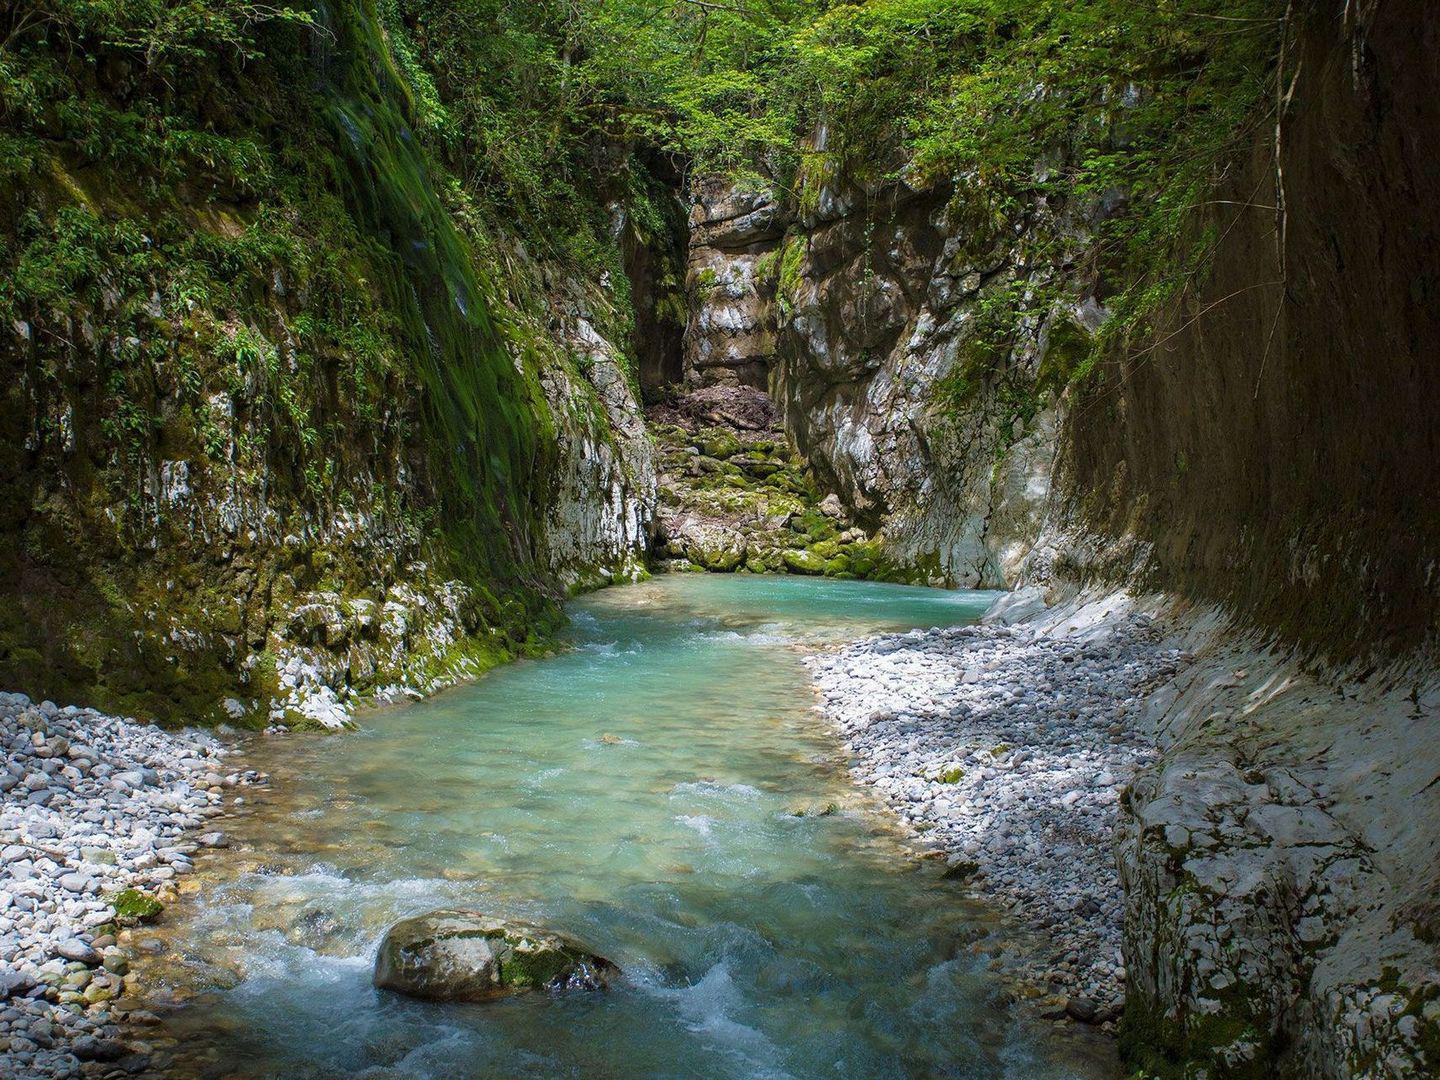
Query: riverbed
662,789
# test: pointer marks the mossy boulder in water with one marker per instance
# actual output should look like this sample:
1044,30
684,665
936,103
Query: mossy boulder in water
803,562
467,956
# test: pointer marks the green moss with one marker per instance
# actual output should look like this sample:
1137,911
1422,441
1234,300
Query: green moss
791,272
718,443
536,969
1156,1046
865,557
952,775
803,562
767,269
134,904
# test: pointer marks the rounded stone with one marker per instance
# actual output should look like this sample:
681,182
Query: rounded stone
468,956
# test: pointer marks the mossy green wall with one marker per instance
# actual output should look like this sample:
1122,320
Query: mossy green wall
259,341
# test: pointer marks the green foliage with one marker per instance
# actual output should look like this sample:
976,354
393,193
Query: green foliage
232,259
1118,114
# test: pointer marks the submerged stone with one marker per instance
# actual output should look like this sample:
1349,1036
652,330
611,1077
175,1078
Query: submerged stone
468,956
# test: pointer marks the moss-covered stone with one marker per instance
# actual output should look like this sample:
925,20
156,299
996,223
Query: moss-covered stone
466,956
718,443
803,561
134,904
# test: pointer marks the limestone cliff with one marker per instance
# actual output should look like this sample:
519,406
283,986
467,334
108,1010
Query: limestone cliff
1266,456
283,430
859,310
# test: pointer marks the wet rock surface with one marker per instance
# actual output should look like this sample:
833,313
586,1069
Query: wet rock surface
1009,750
468,956
95,821
734,496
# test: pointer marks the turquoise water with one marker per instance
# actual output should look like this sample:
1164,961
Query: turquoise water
663,791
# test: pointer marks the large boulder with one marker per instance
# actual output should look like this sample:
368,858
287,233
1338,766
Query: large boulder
467,956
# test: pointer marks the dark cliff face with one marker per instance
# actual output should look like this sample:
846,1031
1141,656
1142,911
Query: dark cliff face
1274,446
1270,449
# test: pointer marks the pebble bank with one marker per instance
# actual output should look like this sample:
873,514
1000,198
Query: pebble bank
95,811
1009,749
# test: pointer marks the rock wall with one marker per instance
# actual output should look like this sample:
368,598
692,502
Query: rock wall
1281,864
947,459
730,336
859,311
1256,462
230,600
1268,449
269,450
601,510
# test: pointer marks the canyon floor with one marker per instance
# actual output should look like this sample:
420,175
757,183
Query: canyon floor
1078,769
1002,748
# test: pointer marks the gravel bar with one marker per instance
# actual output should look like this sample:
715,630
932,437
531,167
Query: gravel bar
1008,749
90,806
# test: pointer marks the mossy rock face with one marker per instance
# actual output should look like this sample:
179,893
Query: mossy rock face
134,904
1235,1042
804,562
468,956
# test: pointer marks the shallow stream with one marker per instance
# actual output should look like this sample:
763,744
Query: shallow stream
664,791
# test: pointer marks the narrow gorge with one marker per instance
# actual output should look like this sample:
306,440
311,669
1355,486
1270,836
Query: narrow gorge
656,538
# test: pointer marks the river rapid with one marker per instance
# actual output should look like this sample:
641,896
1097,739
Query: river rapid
664,790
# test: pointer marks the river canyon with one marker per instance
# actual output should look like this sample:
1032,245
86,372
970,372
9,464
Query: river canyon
794,539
